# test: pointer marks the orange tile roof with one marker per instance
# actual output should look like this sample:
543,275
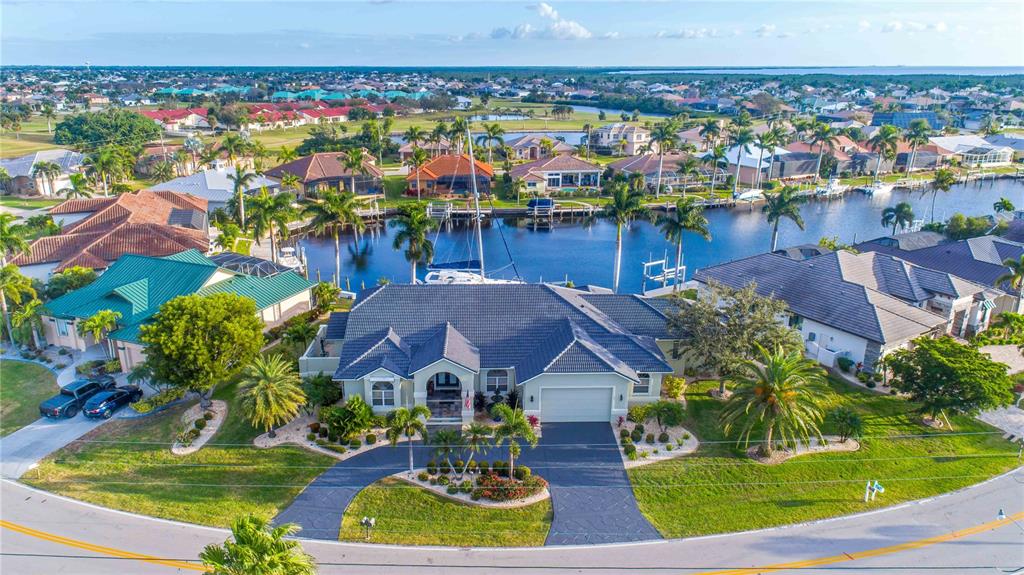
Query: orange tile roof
450,165
320,166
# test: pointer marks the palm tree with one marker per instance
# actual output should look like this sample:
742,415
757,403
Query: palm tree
438,135
764,141
271,392
686,168
885,142
286,154
47,172
741,141
623,208
917,135
292,182
900,216
241,180
79,188
331,212
513,428
822,136
446,442
413,225
355,163
710,132
14,287
944,180
258,548
1003,205
163,171
194,145
492,135
266,212
408,422
104,320
687,217
458,131
1014,275
715,157
475,439
777,394
783,205
300,334
234,146
666,136
49,114
416,160
29,317
779,138
518,187
414,135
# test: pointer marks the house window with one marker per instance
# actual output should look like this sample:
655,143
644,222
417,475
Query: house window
796,322
555,180
643,387
62,327
497,381
383,394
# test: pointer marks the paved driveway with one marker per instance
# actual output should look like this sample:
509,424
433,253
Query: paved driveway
591,495
21,450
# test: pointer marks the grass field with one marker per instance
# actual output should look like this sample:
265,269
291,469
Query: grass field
410,515
23,386
32,138
26,203
717,490
134,470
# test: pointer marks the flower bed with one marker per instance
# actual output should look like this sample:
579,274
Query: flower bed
646,444
483,488
831,444
199,426
299,432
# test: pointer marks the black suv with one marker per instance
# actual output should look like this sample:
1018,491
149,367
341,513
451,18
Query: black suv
105,403
73,396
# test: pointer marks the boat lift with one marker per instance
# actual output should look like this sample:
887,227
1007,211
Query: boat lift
663,276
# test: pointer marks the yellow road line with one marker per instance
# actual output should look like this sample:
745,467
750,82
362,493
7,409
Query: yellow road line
879,551
99,548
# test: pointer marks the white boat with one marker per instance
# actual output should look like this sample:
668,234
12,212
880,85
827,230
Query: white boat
876,187
289,259
832,188
462,277
750,195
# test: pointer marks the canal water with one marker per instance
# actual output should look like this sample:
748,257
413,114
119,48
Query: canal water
584,253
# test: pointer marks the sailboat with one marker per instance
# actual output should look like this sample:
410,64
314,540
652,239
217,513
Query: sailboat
471,271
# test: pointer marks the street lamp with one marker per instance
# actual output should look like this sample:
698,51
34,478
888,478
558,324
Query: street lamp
1001,516
369,523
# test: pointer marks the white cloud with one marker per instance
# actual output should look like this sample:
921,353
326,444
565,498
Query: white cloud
863,26
695,33
611,36
567,30
546,11
939,27
915,27
559,28
765,30
304,45
893,26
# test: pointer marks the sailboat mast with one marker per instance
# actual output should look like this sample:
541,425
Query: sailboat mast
476,203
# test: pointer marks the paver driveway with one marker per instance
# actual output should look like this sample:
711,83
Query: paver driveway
591,496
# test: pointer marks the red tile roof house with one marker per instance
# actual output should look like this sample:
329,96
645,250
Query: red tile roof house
271,120
184,119
449,174
434,149
97,231
325,115
529,147
560,173
647,164
326,170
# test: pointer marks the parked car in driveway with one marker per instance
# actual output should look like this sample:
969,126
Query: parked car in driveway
105,403
73,396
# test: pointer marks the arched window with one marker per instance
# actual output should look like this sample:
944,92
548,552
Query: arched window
383,394
497,381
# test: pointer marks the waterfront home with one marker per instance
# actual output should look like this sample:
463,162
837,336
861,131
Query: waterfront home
180,120
1010,140
979,260
433,148
26,182
621,138
753,160
570,355
327,170
136,286
449,174
859,306
98,231
974,151
533,147
215,185
559,173
647,164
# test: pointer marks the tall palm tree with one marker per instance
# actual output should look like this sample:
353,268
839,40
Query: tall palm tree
777,393
764,141
355,162
331,212
779,138
49,114
271,392
458,131
518,187
709,132
1003,205
95,325
513,428
194,145
241,180
416,160
301,334
408,422
823,137
286,154
902,215
266,212
46,172
741,141
716,157
259,548
234,146
1014,275
28,317
492,135
292,182
624,207
475,439
687,217
415,135
163,171
942,182
438,135
687,167
446,442
14,287
414,225
666,136
885,143
780,206
917,136
79,188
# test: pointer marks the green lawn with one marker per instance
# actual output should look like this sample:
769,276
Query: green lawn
717,490
22,387
210,487
26,203
410,515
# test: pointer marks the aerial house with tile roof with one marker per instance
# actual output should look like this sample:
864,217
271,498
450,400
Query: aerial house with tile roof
571,355
136,286
327,170
449,174
558,173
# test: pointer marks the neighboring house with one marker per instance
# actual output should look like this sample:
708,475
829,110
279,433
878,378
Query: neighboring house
450,174
571,355
98,231
327,170
180,120
25,183
154,154
214,185
1010,140
531,147
979,260
434,149
325,115
860,306
559,173
136,286
647,164
902,120
973,150
751,161
621,138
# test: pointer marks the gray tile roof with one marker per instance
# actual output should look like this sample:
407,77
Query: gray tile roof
214,184
525,327
634,313
68,161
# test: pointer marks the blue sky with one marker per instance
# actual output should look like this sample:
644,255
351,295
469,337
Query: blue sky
429,33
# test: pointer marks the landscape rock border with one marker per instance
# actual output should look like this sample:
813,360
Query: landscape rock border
682,441
295,432
461,497
219,409
832,445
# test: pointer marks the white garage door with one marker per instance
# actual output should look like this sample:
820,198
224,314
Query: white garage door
575,404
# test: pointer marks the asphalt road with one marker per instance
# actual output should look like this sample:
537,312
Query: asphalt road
956,533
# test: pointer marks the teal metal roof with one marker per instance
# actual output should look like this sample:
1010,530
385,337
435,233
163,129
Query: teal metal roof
264,291
191,256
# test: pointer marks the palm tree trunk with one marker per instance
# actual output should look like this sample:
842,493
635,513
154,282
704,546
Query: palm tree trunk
767,448
7,317
337,259
775,236
418,188
352,181
409,437
913,158
878,165
273,245
760,158
412,273
934,193
817,169
679,259
657,186
736,180
618,257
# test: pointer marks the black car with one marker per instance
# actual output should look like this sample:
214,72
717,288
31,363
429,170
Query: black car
73,396
105,403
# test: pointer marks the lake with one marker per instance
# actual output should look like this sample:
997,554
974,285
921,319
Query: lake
585,253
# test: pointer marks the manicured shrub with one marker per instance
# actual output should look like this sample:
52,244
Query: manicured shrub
60,365
332,437
472,466
664,438
863,377
476,494
496,488
629,450
522,472
432,467
627,441
845,364
354,444
433,481
452,489
686,436
636,435
632,455
208,415
877,377
423,476
459,464
650,438
310,437
484,466
638,413
199,423
159,400
443,468
443,480
314,427
323,432
673,386
669,447
466,486
623,433
371,439
640,427
644,454
871,384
